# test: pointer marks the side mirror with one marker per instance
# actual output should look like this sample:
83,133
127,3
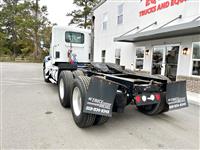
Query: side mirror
49,58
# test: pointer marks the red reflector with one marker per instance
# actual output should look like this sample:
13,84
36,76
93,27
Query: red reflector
138,99
157,95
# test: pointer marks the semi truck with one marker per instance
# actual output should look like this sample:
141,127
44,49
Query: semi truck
96,90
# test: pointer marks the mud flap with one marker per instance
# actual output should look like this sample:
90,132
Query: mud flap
176,95
100,97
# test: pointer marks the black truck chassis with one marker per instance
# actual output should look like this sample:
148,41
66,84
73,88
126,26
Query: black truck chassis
95,90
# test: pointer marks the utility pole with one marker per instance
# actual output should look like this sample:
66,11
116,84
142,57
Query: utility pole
13,24
36,29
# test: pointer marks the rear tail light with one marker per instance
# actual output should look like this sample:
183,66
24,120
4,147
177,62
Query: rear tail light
157,95
138,99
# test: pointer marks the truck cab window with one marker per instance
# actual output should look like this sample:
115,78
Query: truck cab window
74,37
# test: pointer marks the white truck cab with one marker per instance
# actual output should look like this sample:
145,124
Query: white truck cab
70,43
69,46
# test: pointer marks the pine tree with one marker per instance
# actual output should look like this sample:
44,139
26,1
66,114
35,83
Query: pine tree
82,17
19,26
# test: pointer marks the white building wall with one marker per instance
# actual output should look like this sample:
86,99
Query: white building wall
104,40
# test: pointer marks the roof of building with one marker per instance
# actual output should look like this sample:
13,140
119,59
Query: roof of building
98,5
189,28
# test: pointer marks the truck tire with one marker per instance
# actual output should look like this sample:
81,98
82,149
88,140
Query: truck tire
166,106
99,120
120,102
82,120
65,85
46,79
153,109
77,73
119,105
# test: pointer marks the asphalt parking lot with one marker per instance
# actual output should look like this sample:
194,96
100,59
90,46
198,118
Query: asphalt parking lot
32,118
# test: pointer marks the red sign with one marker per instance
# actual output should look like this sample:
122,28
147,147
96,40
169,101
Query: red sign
151,6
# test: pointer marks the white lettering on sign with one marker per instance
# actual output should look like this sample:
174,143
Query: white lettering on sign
98,110
177,102
177,105
98,102
151,6
98,106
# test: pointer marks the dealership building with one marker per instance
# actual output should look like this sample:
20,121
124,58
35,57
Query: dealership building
152,36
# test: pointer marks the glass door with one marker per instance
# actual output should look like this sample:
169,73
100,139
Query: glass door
165,60
158,60
171,61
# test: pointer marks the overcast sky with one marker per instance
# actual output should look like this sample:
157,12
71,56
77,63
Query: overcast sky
58,9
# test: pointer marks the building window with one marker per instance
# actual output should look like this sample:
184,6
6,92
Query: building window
105,21
117,56
103,56
196,59
139,58
120,14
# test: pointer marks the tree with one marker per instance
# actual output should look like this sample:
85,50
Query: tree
40,23
3,45
20,28
82,17
7,17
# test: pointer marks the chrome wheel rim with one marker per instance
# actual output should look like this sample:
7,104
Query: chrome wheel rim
77,101
61,89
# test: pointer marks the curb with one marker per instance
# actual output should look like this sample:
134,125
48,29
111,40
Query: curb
193,102
193,98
